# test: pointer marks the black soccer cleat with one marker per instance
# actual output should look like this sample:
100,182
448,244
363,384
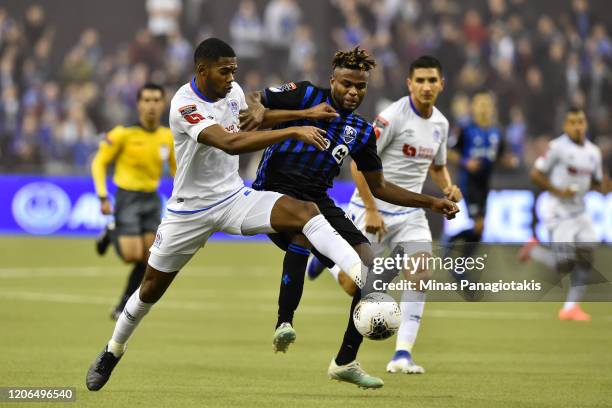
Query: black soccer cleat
104,240
100,370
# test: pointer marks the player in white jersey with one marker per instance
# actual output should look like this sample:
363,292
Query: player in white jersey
569,169
412,135
210,196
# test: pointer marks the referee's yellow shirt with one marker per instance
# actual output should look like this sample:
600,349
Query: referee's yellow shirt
139,157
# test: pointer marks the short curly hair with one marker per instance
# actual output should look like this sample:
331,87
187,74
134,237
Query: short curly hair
357,58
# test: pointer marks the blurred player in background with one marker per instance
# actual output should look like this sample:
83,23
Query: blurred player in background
568,170
411,141
477,148
139,153
209,195
299,171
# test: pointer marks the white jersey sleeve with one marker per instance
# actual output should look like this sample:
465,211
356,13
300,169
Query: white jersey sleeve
547,161
186,117
598,172
241,98
384,127
440,157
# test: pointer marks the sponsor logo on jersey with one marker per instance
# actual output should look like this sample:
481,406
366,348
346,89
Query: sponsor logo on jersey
340,152
578,171
187,110
421,152
283,88
349,134
234,107
379,124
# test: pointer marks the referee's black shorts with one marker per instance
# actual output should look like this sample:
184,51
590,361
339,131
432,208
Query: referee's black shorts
136,212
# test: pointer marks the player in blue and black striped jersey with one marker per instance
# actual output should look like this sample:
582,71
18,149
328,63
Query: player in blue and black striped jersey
299,171
478,148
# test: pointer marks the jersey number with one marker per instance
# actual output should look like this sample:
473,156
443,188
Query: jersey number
340,153
193,118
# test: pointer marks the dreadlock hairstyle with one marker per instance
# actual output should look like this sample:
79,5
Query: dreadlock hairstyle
356,58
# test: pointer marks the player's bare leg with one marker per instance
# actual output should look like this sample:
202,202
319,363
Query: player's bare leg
290,214
153,286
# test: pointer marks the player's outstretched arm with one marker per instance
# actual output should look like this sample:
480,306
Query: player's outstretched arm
541,180
375,224
440,175
268,118
394,194
244,142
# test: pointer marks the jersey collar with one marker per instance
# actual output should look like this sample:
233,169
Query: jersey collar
416,111
195,89
331,103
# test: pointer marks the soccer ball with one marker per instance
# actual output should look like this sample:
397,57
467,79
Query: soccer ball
377,316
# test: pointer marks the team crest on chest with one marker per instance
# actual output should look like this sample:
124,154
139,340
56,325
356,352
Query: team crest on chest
234,107
349,134
436,136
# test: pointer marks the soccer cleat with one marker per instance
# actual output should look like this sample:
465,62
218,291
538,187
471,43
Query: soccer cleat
314,268
574,313
104,240
354,374
100,370
524,254
402,363
284,336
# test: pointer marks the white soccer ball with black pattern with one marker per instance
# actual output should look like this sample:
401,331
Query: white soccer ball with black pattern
377,316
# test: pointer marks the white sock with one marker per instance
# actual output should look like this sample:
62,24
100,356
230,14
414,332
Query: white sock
334,271
328,242
543,255
574,295
412,305
134,311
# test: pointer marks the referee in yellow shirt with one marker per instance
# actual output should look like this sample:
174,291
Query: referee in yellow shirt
138,153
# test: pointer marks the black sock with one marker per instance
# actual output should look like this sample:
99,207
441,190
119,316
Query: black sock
292,282
133,282
352,338
472,239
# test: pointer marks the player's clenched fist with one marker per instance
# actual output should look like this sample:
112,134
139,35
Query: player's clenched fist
453,193
446,207
311,135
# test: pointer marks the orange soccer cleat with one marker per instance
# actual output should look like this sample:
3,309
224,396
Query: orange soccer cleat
574,313
524,254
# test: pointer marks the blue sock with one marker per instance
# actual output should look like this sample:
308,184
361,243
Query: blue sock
399,354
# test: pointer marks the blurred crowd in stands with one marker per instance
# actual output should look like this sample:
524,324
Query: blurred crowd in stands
537,57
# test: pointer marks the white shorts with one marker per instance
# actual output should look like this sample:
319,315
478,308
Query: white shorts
570,233
577,229
181,233
409,228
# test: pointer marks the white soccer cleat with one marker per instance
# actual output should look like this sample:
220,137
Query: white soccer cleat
284,336
353,373
402,363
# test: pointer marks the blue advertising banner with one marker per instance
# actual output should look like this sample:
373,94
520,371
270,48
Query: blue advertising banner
68,205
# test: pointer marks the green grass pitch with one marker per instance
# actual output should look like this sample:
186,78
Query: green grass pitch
208,342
